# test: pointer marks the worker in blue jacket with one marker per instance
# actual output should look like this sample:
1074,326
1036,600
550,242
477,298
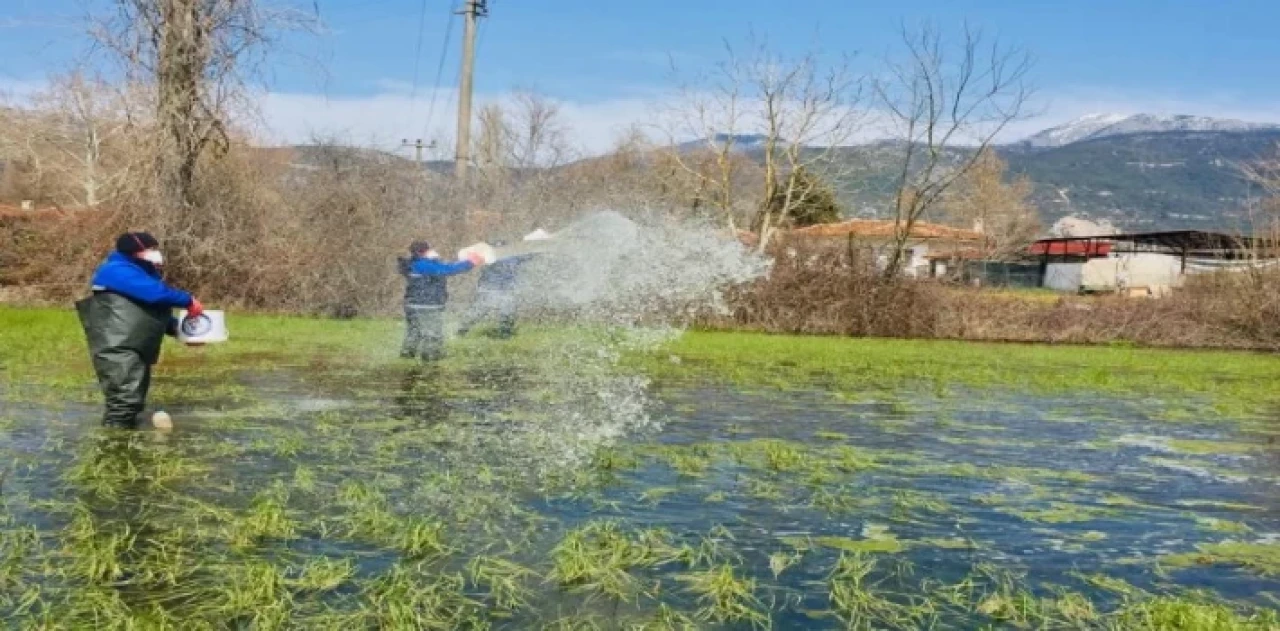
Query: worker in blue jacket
496,295
125,319
425,295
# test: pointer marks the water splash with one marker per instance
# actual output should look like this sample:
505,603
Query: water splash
622,283
608,268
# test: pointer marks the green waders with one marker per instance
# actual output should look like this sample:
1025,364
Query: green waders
423,333
124,342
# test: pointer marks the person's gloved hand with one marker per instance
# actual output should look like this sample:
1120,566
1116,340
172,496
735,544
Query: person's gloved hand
475,259
196,309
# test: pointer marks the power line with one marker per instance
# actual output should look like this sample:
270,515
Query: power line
435,90
417,55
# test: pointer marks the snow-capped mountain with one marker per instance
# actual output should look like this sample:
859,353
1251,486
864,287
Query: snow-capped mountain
1103,125
1079,129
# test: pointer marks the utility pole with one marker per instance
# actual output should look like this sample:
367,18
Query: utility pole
473,11
417,149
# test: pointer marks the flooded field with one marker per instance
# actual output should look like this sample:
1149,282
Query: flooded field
718,481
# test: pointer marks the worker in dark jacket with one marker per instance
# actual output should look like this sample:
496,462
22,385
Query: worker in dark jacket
425,296
125,320
495,295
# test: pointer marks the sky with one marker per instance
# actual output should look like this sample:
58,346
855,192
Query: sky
369,76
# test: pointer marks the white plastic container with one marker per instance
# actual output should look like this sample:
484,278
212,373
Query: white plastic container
209,327
485,251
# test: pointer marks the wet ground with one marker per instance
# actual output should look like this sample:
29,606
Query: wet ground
448,497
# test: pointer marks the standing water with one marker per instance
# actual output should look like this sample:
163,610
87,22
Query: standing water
551,482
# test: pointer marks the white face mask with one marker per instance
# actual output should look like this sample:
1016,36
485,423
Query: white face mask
153,257
432,254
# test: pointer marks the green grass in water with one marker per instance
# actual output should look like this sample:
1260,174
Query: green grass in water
1259,558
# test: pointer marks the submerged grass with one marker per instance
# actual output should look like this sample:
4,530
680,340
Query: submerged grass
1262,558
367,516
725,596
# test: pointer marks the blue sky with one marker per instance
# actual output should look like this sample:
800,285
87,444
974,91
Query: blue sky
604,58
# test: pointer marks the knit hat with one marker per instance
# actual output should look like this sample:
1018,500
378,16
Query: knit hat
419,246
135,242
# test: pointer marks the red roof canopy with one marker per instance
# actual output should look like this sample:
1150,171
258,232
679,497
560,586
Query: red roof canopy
1071,248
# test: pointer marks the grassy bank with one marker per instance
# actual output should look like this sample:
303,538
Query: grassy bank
46,347
844,363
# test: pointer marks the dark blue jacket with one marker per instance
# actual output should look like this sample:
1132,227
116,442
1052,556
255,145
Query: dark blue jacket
502,274
139,281
427,286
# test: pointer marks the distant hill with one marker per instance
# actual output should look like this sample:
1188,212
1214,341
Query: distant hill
1148,181
319,157
740,142
1185,176
1096,126
1141,172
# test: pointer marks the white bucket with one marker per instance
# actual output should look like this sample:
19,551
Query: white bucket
485,251
209,327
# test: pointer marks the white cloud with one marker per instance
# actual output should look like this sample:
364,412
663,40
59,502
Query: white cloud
386,118
19,91
383,119
392,113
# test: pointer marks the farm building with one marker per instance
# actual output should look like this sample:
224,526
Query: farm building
1149,263
927,243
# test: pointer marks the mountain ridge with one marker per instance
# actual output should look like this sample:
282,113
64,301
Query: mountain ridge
1094,126
1187,177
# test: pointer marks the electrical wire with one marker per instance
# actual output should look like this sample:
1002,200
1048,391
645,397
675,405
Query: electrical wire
417,55
435,90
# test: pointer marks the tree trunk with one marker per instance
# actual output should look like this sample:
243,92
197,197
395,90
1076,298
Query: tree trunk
183,54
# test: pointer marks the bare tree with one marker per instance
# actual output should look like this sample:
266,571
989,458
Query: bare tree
702,131
1265,213
25,173
491,146
519,150
541,137
1000,210
808,113
946,105
84,136
198,56
72,142
527,133
797,113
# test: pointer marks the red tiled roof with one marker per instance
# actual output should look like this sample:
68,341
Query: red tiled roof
885,228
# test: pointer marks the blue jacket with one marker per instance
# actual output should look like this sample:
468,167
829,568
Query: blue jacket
138,281
427,286
502,274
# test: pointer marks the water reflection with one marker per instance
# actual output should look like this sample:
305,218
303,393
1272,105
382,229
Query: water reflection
422,395
118,485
